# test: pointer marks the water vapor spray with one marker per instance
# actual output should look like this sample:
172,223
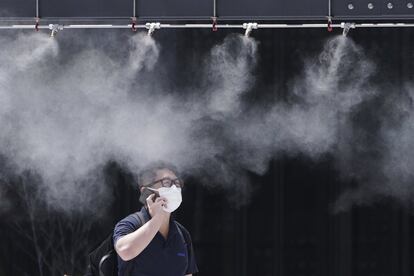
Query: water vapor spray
64,115
230,67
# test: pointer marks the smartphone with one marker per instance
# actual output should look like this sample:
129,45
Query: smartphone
154,192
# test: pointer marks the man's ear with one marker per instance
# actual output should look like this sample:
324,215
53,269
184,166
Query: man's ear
141,189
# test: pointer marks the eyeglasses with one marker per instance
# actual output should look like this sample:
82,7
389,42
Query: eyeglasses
168,182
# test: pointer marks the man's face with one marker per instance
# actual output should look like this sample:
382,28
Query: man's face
162,178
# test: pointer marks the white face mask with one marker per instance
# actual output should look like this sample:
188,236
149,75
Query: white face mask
173,196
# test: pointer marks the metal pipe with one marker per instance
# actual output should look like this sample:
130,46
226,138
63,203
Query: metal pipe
214,8
103,26
201,26
37,8
329,9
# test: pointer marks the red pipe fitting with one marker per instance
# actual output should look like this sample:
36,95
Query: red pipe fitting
214,24
330,25
133,25
37,25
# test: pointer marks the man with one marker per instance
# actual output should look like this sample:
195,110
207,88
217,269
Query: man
151,242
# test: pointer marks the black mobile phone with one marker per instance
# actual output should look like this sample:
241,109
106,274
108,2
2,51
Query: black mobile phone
155,193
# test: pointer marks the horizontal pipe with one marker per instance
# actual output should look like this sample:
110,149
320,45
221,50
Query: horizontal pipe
219,26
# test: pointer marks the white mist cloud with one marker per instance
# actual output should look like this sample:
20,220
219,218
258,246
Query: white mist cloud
230,66
331,87
398,137
66,118
315,119
62,120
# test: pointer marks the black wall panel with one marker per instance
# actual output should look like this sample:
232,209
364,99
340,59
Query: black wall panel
289,227
245,10
175,8
271,8
17,8
86,8
373,8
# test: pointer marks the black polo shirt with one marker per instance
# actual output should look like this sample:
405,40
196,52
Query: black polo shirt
169,257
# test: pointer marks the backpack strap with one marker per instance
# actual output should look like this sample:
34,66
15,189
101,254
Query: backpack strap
141,220
96,265
103,259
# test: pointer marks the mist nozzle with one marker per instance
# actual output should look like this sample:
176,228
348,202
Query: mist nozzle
152,27
249,27
347,26
55,28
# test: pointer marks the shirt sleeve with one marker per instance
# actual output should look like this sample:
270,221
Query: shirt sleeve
124,227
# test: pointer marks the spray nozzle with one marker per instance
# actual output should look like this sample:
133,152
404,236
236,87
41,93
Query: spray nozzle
249,27
55,28
347,26
152,27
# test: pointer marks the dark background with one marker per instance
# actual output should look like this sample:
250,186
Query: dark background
289,227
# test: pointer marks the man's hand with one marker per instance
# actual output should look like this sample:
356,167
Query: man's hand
156,208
